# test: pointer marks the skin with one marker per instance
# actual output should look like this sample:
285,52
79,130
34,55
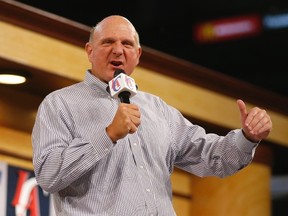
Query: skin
114,44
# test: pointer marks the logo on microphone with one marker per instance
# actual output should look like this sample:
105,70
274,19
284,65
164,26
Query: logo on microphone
122,83
116,84
130,82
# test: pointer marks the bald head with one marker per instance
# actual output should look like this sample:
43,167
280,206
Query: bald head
110,22
113,44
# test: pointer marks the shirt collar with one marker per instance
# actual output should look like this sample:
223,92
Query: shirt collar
95,83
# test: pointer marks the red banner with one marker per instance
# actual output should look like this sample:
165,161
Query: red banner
228,28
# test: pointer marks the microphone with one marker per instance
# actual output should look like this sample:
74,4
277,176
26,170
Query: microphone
122,86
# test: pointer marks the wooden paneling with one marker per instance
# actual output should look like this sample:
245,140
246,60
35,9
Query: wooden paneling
77,34
182,206
62,59
42,52
246,193
181,183
17,162
15,143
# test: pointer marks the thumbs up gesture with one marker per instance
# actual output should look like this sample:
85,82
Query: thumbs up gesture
256,123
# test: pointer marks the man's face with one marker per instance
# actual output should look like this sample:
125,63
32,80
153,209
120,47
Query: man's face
114,46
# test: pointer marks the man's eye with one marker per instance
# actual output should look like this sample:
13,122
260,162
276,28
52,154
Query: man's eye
128,44
108,42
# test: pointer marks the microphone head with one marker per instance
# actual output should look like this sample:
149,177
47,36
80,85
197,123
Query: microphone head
118,71
122,86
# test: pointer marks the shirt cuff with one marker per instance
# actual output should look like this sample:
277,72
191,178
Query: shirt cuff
103,144
243,143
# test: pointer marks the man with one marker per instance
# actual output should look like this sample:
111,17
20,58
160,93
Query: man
97,156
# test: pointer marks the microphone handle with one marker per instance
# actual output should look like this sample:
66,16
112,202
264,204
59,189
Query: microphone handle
124,97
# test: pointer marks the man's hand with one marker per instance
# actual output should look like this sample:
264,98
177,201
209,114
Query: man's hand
126,120
256,123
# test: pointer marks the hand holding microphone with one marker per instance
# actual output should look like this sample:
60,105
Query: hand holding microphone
127,117
126,120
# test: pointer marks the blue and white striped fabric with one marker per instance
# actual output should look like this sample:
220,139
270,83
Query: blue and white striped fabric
87,174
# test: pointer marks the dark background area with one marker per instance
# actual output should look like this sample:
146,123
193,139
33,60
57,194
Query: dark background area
167,26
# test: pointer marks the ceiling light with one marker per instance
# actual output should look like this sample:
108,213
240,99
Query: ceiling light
12,78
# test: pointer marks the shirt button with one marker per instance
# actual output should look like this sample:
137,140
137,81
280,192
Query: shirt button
148,190
135,144
141,167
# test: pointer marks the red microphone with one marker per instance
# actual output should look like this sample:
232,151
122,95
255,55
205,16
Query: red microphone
122,86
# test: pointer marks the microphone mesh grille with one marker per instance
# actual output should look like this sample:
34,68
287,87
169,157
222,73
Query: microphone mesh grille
118,71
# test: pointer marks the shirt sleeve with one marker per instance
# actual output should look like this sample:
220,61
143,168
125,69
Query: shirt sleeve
59,156
208,154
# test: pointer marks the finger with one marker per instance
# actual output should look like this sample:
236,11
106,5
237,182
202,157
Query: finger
132,127
254,118
135,120
130,118
256,125
132,106
132,124
243,110
134,116
267,128
134,113
134,110
132,130
261,134
261,123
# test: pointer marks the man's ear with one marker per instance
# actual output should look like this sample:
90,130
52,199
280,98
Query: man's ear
88,49
139,52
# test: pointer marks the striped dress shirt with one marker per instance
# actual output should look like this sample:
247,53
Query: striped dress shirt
86,174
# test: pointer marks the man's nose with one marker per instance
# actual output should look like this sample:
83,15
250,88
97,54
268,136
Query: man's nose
117,49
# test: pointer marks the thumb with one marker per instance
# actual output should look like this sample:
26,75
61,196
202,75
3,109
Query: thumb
243,110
